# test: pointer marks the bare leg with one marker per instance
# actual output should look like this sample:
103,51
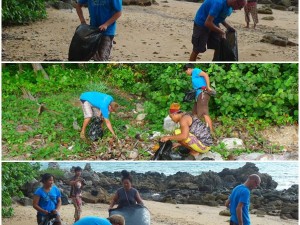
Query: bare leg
247,26
84,125
193,56
209,122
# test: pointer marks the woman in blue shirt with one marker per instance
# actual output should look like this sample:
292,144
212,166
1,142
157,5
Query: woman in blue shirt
47,200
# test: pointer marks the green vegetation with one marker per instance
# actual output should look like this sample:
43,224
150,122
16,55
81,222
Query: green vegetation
22,11
14,176
250,98
57,173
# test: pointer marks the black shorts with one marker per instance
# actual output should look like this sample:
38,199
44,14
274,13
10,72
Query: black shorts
203,37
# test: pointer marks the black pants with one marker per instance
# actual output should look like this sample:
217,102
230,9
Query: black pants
233,223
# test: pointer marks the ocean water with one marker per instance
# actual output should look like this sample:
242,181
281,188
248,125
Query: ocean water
284,173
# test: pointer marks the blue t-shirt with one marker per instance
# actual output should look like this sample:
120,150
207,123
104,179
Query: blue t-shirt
198,81
215,8
101,11
240,194
48,201
92,220
98,100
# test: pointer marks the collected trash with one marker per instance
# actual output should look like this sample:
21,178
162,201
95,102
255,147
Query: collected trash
95,129
133,214
165,152
191,95
85,43
228,48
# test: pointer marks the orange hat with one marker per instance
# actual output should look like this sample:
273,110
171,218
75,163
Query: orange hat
175,107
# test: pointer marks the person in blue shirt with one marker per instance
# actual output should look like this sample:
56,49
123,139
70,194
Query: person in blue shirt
103,14
93,220
239,201
103,103
47,200
207,31
200,81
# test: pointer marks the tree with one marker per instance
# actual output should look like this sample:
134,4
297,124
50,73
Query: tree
14,176
38,67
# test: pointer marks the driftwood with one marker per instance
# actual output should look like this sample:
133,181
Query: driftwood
42,107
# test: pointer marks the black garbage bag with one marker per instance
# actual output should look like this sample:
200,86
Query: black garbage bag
95,129
133,215
165,152
49,219
85,43
228,49
231,37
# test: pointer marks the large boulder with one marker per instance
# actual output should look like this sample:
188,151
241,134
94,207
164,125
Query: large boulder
25,201
233,143
96,196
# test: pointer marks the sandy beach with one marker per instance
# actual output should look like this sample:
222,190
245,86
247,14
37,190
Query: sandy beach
160,32
161,214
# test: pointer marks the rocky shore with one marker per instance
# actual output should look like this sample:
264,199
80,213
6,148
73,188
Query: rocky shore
208,188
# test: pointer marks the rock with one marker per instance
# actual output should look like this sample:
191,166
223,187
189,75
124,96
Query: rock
285,3
233,143
138,2
133,154
53,165
209,156
274,213
264,11
277,40
169,125
101,196
25,201
88,167
64,199
61,5
264,2
139,107
293,8
225,212
141,117
268,18
29,188
278,7
249,157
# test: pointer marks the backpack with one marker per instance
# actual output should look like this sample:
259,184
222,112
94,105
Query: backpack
95,131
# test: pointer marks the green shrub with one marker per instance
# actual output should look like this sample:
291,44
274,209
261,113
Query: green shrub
14,176
22,11
57,173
